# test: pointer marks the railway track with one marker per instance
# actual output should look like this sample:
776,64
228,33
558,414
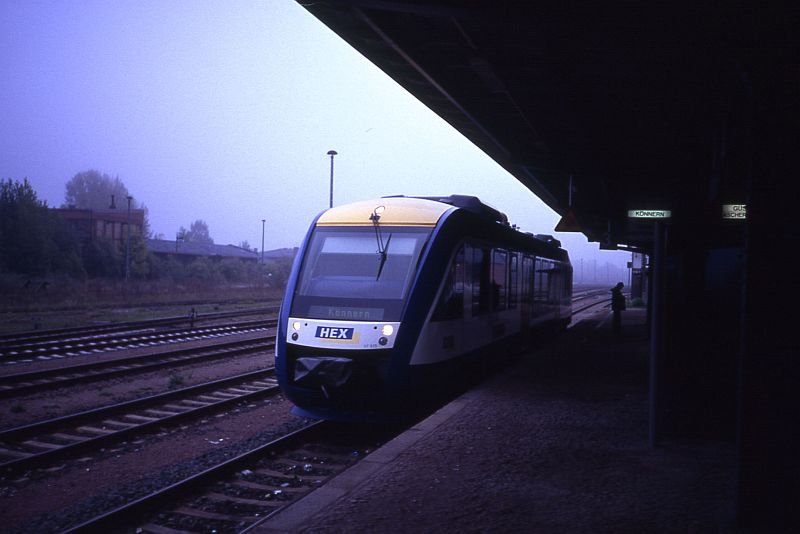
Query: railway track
39,444
590,294
27,351
230,497
248,489
589,304
81,341
29,382
44,336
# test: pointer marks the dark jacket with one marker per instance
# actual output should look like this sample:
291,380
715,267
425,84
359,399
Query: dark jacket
617,299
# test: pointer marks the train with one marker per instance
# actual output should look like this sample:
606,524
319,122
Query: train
390,300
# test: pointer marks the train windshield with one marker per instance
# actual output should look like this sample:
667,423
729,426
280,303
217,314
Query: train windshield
358,274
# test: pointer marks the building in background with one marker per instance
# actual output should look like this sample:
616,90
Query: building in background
111,224
186,251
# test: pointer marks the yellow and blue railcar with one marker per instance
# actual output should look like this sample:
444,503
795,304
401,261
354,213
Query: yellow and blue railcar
389,300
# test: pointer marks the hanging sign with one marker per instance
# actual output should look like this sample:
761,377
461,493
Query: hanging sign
734,211
649,214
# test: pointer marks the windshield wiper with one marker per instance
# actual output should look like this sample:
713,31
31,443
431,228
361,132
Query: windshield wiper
384,254
382,249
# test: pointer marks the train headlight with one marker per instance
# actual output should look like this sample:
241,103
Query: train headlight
387,330
294,336
383,341
296,326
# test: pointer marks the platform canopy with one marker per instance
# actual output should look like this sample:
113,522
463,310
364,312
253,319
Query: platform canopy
640,106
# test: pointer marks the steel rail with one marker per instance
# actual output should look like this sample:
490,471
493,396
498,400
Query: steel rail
94,344
14,437
590,293
130,512
29,382
57,333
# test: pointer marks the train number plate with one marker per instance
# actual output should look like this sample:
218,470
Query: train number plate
331,332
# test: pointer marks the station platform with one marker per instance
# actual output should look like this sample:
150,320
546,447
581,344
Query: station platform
557,442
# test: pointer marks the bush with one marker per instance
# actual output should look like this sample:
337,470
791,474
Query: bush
102,259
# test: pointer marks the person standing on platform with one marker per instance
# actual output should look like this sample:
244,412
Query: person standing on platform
617,305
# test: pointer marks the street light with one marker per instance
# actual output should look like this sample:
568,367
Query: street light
331,153
262,240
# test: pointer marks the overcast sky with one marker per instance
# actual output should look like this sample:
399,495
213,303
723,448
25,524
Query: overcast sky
225,111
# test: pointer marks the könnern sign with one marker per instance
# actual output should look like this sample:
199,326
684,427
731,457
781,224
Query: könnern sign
649,214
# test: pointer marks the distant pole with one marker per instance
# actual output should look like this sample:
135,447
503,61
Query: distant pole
262,240
331,153
630,274
128,244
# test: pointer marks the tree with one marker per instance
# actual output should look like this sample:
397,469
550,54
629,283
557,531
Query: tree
33,240
197,233
140,262
93,190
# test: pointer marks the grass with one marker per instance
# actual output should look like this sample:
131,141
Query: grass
70,304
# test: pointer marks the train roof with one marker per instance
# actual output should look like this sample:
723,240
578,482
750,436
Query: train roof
427,212
393,211
406,211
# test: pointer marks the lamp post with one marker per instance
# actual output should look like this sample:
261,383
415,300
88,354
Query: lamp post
331,153
128,243
262,240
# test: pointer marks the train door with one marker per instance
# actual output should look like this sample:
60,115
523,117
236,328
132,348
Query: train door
477,305
442,337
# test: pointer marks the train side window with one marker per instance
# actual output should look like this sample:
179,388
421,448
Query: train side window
499,279
527,280
542,281
567,298
451,301
513,280
474,277
460,267
553,283
480,281
565,274
553,286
